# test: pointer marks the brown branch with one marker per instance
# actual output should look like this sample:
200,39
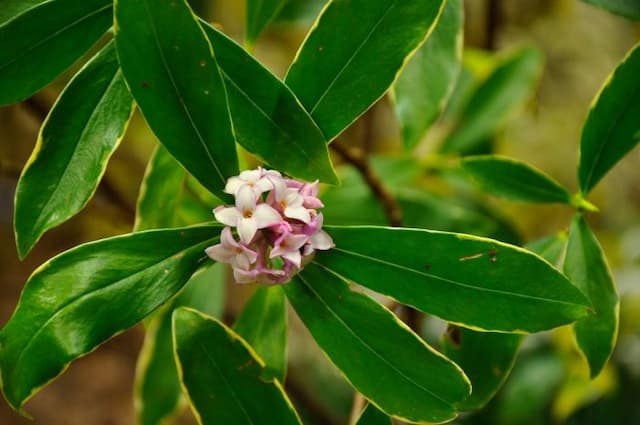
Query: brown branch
389,203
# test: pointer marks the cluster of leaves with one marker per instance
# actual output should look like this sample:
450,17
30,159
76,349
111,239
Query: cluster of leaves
201,93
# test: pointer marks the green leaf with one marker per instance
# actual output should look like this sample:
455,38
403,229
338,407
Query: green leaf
610,130
171,70
486,358
510,84
157,391
375,351
12,8
427,81
86,295
46,39
586,266
530,389
267,118
263,324
260,13
223,376
300,12
627,8
79,135
372,416
161,192
332,74
511,179
550,248
457,277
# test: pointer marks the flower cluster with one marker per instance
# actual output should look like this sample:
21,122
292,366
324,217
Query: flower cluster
277,225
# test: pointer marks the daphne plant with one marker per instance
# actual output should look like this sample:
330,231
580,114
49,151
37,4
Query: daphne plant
202,94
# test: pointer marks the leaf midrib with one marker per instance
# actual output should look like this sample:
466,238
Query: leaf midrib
364,343
178,93
24,52
355,53
269,119
73,154
454,282
596,162
227,383
91,293
551,188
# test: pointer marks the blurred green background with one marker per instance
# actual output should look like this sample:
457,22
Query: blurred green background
581,46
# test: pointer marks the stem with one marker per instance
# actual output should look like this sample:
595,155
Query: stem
390,204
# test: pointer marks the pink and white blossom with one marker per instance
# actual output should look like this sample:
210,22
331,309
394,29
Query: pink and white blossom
278,225
232,252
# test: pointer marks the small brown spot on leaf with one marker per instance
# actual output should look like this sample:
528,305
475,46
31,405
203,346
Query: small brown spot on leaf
203,63
245,365
493,255
144,84
496,371
427,267
454,335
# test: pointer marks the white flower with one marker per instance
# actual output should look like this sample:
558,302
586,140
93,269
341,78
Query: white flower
247,216
258,180
290,201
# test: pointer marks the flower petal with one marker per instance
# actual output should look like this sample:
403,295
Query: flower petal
220,253
226,238
233,184
299,213
321,240
227,215
251,176
279,188
266,216
245,199
247,228
244,276
294,257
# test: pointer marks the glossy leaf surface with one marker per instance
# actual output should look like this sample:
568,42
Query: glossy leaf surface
223,376
511,179
263,324
425,84
158,394
457,277
178,87
46,39
12,8
371,415
267,118
348,327
331,74
259,14
627,8
77,139
161,192
610,130
510,83
487,357
84,296
586,266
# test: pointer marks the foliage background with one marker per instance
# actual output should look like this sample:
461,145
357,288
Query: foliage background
581,45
